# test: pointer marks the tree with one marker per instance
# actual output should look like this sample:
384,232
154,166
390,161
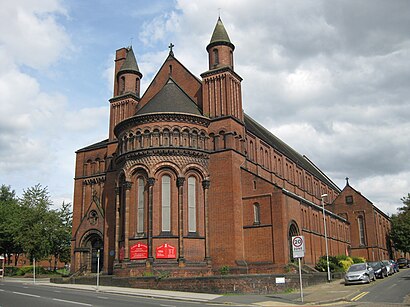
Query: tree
60,237
37,222
9,223
400,229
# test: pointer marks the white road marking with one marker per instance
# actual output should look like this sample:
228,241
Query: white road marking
71,302
103,297
1,290
26,294
57,291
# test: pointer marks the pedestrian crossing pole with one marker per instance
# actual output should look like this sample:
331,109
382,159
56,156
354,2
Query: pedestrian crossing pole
98,269
34,270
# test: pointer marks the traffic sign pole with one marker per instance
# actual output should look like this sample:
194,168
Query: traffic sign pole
300,281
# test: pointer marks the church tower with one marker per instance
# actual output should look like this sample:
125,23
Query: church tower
221,85
126,88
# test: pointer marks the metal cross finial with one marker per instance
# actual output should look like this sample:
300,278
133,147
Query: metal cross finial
171,45
219,12
347,180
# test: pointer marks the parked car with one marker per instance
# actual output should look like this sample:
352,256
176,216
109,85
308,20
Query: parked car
395,266
402,262
380,270
359,273
389,266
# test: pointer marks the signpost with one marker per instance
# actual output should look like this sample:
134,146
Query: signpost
298,247
98,269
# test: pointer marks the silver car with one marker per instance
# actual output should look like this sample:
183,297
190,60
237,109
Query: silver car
389,266
360,273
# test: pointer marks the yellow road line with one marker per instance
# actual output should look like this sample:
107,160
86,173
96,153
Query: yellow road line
359,296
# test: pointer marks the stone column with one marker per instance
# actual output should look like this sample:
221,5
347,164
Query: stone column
117,223
127,187
205,186
151,182
180,185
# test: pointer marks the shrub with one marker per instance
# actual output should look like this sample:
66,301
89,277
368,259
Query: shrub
339,263
358,259
224,270
345,264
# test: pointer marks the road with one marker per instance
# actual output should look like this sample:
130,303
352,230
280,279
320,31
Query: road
392,290
16,294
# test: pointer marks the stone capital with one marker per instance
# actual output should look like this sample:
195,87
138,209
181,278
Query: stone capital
206,184
180,181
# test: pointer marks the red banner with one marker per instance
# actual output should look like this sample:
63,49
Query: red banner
165,251
139,251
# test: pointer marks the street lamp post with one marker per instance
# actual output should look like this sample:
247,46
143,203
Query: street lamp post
324,225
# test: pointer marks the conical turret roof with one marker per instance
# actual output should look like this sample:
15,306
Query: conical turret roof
130,63
220,36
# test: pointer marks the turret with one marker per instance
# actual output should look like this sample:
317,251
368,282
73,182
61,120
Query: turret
220,49
221,85
127,78
127,74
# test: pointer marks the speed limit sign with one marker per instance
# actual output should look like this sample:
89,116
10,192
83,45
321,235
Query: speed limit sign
298,246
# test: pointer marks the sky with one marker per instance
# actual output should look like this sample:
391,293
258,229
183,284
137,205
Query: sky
330,78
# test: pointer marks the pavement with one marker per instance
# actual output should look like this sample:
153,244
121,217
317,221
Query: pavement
322,294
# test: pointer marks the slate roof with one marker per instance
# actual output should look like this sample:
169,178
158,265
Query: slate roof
302,161
94,146
130,63
172,99
220,35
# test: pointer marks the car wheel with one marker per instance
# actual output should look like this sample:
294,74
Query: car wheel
381,275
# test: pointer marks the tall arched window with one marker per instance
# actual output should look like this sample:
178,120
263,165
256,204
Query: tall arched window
140,207
122,85
256,214
166,203
191,204
360,222
216,57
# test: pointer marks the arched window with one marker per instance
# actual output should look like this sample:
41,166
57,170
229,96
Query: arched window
140,207
256,214
191,204
216,57
122,85
293,231
360,222
166,203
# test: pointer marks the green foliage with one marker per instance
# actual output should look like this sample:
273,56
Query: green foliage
358,259
400,230
224,270
29,225
9,222
339,263
27,271
345,264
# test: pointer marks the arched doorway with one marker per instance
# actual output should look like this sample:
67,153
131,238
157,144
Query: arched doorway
293,231
94,244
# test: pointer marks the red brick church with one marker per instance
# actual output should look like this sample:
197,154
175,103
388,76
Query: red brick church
188,183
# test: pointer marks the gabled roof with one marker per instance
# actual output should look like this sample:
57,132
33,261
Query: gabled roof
130,63
265,135
348,186
170,99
